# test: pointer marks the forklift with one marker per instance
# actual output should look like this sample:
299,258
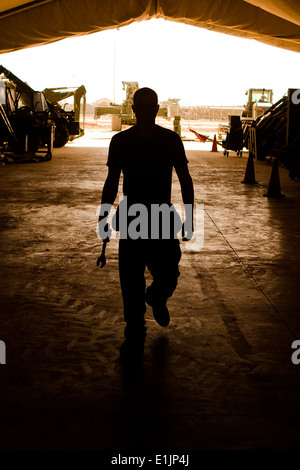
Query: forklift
259,101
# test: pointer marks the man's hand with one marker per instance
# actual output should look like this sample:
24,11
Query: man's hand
102,259
187,232
187,190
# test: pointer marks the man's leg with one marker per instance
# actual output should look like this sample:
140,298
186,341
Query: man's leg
163,258
132,278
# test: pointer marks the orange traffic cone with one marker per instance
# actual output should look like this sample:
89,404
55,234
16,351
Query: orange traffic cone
249,177
214,145
274,189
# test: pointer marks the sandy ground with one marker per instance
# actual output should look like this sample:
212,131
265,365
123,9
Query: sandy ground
219,377
202,126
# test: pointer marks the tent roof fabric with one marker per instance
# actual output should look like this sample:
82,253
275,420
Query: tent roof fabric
25,24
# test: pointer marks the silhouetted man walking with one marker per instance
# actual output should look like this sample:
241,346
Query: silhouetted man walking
146,154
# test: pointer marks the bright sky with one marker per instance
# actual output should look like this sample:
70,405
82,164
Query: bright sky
197,66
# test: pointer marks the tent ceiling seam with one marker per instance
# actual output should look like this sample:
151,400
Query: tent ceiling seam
26,6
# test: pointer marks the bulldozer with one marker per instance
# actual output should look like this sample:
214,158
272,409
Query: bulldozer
25,127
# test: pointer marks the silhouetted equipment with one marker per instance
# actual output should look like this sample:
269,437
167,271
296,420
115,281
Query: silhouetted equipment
276,133
23,105
234,139
259,101
25,126
67,121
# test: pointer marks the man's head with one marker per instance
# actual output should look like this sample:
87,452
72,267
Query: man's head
145,105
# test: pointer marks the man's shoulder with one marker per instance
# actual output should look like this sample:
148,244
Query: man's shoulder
167,133
163,134
118,143
123,135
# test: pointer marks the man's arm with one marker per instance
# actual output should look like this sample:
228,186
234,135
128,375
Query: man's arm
111,185
187,190
109,194
186,184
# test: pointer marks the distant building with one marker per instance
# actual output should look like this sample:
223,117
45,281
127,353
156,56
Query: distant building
101,102
172,105
219,113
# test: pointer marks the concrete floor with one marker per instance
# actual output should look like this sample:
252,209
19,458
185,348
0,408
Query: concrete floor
219,377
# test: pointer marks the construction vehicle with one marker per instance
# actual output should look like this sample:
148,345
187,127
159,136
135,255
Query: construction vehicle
67,121
276,133
259,101
127,115
123,114
25,127
45,107
237,130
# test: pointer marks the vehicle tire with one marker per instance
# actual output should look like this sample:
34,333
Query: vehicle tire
292,175
61,135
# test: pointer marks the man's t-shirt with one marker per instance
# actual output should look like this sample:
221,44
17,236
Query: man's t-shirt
147,163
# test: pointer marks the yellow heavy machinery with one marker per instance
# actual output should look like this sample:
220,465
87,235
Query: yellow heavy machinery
237,131
123,114
259,101
28,117
25,125
68,125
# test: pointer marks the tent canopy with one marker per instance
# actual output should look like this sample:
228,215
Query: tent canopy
25,24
